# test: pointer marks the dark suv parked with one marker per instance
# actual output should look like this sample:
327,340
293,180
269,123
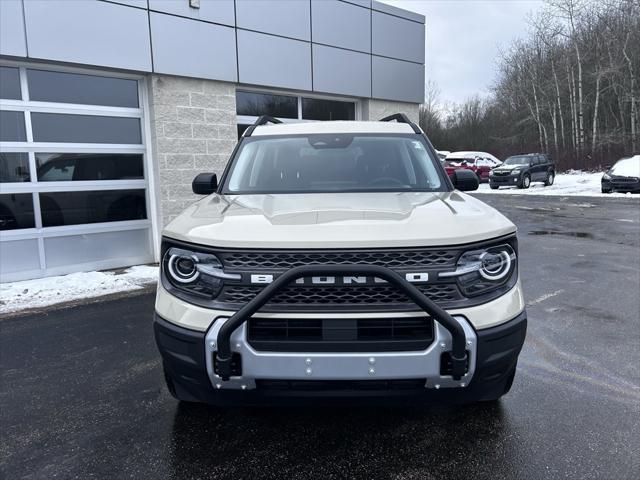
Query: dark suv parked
521,170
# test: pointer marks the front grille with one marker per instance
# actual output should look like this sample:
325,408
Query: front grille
624,180
340,335
387,258
301,297
341,295
341,385
501,174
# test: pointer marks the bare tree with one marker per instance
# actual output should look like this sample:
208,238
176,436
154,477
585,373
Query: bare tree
572,82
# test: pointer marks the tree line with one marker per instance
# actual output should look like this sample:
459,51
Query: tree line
571,88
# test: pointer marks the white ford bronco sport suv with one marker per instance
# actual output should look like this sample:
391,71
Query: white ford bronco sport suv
335,261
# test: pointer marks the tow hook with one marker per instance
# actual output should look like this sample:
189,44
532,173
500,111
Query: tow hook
225,368
459,366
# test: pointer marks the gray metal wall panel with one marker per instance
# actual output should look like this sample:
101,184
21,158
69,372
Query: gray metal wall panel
362,3
341,24
193,49
397,38
274,61
12,38
397,80
133,3
398,12
93,33
218,11
279,17
341,71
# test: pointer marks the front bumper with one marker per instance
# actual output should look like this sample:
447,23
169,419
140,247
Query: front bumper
622,186
188,358
504,180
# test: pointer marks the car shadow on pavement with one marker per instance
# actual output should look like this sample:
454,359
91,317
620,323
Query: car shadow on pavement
328,442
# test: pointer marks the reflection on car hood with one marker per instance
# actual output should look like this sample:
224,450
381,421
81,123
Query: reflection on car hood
344,220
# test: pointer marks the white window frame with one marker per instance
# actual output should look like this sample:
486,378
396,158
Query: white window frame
34,187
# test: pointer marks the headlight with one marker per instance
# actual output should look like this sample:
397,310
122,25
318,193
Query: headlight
606,176
516,171
480,271
193,272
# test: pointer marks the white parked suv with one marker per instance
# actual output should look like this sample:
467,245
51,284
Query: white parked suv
337,261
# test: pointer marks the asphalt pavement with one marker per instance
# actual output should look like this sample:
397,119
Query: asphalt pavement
82,394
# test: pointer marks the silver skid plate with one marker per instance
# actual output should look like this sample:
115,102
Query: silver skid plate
340,365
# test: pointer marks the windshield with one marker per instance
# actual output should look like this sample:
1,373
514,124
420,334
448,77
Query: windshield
628,167
518,160
334,163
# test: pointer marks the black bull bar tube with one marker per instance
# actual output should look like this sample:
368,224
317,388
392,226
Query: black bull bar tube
458,353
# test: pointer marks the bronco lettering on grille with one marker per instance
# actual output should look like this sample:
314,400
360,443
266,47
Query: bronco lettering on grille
413,277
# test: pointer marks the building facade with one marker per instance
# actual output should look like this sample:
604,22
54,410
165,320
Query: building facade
108,109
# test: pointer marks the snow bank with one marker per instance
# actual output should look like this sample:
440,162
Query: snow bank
43,292
573,183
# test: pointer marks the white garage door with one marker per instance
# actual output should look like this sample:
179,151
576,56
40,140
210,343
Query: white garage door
73,185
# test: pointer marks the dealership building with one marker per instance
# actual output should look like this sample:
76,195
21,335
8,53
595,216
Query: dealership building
108,109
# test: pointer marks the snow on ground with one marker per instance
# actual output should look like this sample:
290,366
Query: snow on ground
43,292
572,183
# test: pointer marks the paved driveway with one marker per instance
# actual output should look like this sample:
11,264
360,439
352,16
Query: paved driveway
82,394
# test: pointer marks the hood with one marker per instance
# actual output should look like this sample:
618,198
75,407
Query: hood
504,167
345,220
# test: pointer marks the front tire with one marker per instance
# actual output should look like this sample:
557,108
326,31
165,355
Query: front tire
549,181
604,190
526,182
493,187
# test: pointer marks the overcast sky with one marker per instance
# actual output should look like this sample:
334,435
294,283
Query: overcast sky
463,40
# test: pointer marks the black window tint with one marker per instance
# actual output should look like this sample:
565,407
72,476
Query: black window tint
14,167
53,167
315,109
241,129
10,83
73,208
85,89
56,127
16,211
12,126
256,104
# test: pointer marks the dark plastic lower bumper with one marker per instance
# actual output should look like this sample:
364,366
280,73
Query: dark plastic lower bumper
183,354
622,187
504,180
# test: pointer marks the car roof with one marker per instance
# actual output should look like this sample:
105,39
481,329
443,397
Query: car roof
331,127
465,154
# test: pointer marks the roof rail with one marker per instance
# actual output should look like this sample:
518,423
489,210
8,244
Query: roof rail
262,120
401,118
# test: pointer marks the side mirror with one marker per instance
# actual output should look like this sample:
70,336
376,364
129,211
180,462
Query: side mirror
465,180
205,184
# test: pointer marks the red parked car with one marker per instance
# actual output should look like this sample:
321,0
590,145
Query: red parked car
480,163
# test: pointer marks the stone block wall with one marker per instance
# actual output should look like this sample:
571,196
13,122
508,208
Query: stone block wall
193,126
376,109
